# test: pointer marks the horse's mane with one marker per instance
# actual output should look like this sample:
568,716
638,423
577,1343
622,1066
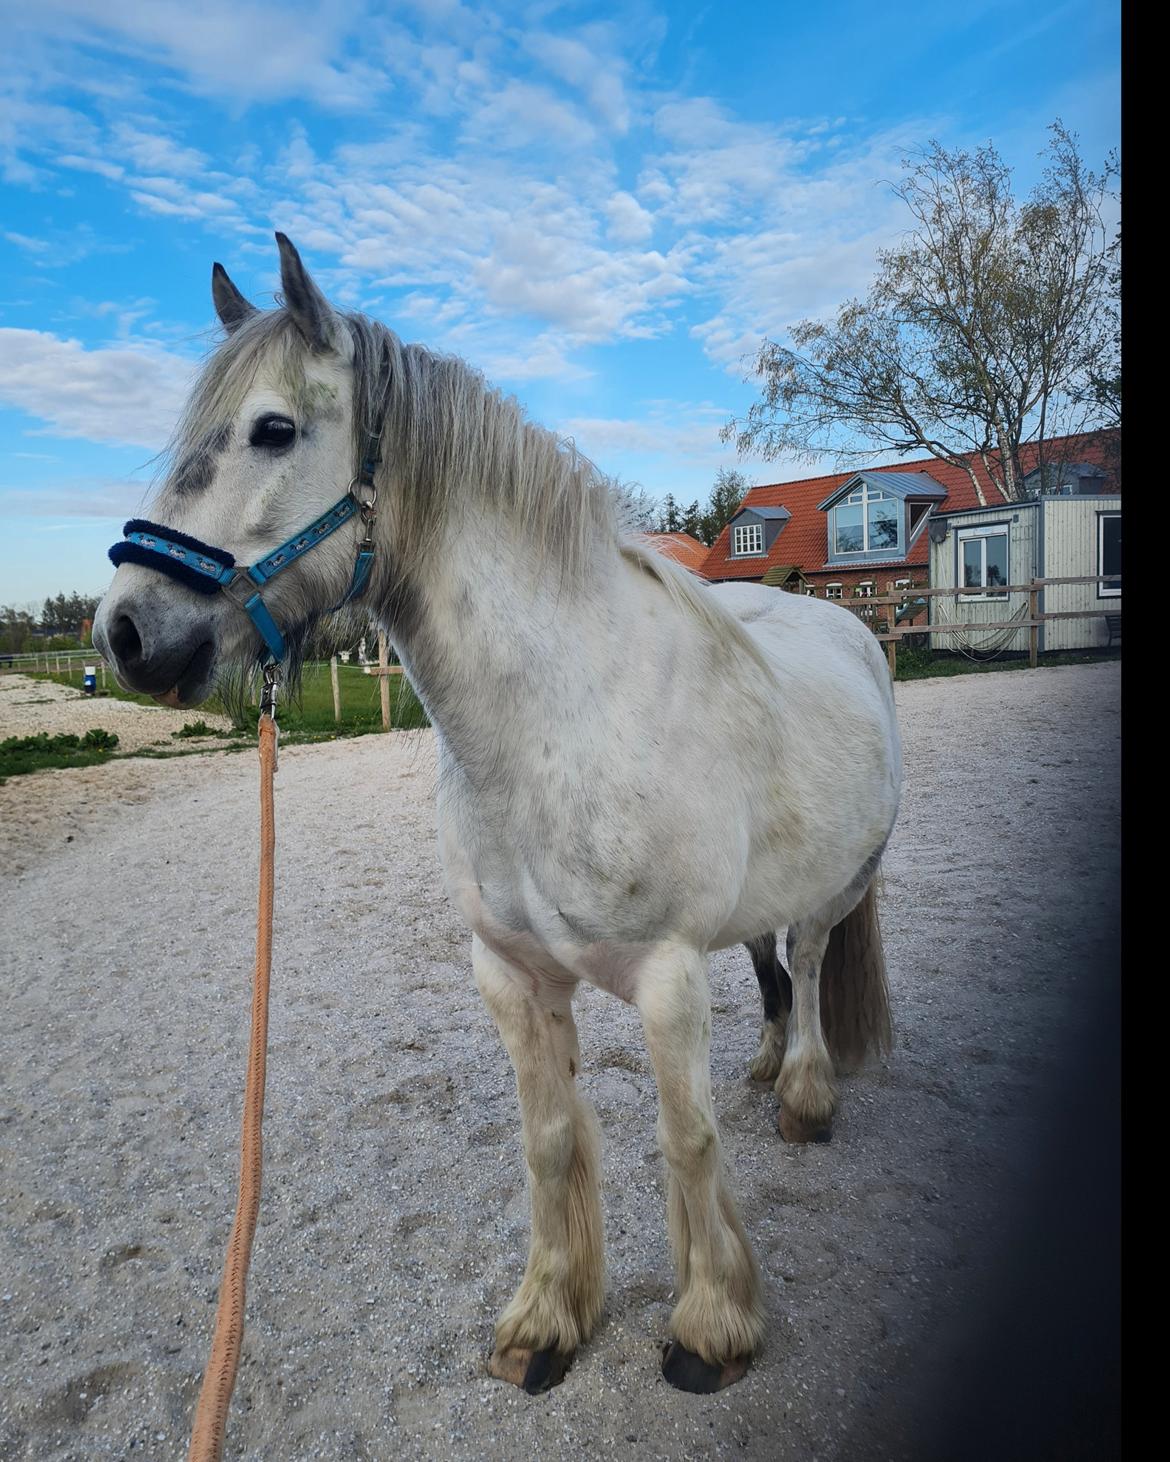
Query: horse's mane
450,441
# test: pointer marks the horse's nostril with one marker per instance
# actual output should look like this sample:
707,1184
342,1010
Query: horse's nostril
124,640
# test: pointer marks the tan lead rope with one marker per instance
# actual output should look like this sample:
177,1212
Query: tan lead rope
219,1378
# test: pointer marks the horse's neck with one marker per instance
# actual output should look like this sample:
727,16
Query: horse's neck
500,638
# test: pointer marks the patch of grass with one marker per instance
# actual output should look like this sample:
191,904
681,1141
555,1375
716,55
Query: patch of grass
308,716
920,663
21,754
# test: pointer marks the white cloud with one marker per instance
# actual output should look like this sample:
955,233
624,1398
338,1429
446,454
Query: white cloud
120,394
588,63
232,49
683,435
78,497
521,115
154,152
29,245
629,222
104,169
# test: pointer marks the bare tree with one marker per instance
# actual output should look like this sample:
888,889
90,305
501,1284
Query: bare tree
982,330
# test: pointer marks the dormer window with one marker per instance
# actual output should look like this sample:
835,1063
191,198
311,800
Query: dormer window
866,521
876,516
747,538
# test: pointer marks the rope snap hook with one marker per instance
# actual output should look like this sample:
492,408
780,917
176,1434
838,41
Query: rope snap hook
268,694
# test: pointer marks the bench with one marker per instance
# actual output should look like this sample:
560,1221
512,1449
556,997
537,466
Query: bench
1113,625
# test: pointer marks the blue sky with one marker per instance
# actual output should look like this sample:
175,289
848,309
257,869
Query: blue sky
603,208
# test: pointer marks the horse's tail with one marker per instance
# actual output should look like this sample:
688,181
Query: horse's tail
855,999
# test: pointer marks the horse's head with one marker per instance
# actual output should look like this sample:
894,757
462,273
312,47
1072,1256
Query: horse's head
267,443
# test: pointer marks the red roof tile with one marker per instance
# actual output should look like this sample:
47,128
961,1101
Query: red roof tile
681,547
804,539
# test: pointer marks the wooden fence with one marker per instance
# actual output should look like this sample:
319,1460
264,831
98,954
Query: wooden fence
73,662
51,662
905,598
62,662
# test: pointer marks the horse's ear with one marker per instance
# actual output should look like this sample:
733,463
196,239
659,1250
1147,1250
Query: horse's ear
230,305
309,308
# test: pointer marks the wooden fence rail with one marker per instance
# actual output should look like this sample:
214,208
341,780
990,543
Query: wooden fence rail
1035,620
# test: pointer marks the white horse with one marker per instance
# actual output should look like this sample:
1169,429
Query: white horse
635,768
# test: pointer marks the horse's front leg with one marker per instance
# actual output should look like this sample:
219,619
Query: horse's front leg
719,1319
561,1294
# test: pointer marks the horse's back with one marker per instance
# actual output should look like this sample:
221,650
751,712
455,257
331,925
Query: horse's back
802,636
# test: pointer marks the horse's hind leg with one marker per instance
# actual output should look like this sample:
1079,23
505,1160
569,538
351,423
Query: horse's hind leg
776,994
806,1086
719,1319
561,1294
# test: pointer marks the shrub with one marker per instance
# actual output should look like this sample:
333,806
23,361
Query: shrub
20,754
195,728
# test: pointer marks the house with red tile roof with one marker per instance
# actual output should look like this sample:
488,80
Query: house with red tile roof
863,533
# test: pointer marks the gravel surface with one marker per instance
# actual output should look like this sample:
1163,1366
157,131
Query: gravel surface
28,706
394,1220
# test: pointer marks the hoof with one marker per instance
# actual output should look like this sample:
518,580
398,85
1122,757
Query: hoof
687,1371
533,1371
792,1129
765,1066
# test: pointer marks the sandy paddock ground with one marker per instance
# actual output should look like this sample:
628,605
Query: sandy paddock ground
394,1220
28,706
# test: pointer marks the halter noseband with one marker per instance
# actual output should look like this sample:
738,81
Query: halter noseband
207,570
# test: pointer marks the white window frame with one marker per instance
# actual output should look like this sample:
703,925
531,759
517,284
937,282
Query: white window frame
834,591
866,589
862,497
982,533
747,533
1105,591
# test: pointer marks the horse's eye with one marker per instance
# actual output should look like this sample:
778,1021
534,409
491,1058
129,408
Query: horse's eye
273,431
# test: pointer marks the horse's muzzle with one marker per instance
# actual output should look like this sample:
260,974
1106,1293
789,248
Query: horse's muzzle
179,670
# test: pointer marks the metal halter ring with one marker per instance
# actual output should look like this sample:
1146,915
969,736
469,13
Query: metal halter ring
364,503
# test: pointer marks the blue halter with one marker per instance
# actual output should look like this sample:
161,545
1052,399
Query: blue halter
207,570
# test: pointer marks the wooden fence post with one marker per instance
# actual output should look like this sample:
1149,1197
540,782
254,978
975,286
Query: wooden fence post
384,679
336,690
1034,628
892,656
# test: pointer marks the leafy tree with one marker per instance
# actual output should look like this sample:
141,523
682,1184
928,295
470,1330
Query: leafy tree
63,615
985,328
669,518
17,628
730,489
704,521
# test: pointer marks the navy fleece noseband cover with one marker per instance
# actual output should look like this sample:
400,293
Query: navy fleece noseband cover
196,564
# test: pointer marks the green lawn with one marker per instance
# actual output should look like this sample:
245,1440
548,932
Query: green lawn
921,664
310,716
